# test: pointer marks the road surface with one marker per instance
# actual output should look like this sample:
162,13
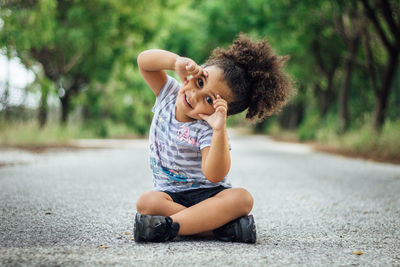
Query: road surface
76,207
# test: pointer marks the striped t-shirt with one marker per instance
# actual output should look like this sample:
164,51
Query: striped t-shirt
175,147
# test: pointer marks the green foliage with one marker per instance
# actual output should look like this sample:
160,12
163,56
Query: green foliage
78,43
307,130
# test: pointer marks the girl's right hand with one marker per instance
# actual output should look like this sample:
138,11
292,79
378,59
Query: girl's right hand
186,67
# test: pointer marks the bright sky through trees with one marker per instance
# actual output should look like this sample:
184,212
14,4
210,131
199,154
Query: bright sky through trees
19,77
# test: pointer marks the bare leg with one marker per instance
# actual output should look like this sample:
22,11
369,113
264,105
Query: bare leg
157,203
203,217
214,212
160,203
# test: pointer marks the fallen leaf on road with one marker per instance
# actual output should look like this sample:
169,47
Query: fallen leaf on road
103,246
132,239
358,252
369,212
128,233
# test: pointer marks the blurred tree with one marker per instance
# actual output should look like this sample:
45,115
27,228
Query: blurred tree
349,24
305,31
4,100
76,42
385,18
45,87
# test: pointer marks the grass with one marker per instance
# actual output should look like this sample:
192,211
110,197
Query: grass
29,133
365,142
361,142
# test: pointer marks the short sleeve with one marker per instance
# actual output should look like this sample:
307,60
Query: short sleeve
204,138
171,87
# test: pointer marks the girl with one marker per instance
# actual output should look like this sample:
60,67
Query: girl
189,148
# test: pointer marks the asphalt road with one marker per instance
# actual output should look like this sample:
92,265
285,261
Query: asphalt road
76,207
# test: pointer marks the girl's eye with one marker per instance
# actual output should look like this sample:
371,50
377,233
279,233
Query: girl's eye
200,83
209,100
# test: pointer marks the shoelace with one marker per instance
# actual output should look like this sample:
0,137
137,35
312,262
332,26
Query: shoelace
163,230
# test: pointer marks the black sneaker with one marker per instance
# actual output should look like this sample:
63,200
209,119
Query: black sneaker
154,228
242,229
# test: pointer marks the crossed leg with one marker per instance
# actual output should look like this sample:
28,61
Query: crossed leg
205,216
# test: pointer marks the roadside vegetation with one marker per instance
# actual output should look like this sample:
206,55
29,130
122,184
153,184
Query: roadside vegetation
360,142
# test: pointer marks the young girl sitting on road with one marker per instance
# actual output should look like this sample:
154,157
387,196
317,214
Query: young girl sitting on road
189,148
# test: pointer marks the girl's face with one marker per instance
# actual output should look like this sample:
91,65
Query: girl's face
197,95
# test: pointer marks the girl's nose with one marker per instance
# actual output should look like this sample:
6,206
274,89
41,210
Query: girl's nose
195,95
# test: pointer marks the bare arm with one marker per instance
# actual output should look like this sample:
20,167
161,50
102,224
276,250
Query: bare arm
216,159
153,63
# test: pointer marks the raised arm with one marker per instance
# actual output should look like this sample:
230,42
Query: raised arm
153,63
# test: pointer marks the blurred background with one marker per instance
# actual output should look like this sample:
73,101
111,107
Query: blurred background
68,68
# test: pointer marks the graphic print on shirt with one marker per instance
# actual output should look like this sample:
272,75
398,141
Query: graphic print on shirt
183,135
172,174
159,147
162,124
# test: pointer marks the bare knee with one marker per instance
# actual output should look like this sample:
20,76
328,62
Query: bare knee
246,200
242,200
143,202
149,202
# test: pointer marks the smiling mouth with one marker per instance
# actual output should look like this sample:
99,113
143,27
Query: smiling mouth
187,102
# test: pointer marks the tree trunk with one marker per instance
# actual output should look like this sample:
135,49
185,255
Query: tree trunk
43,110
6,95
391,41
43,107
346,83
291,116
296,116
329,91
343,97
65,107
259,127
382,96
325,97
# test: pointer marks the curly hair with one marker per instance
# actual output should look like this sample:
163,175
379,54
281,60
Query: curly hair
254,73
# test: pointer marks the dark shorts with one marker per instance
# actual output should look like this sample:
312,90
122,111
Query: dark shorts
192,197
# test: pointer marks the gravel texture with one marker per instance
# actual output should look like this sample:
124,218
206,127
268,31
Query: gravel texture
76,207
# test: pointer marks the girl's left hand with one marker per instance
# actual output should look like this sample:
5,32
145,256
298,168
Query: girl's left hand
217,120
